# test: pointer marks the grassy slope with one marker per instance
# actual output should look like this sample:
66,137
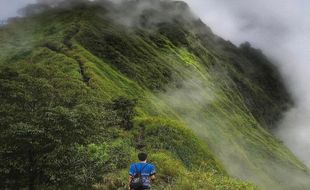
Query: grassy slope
182,79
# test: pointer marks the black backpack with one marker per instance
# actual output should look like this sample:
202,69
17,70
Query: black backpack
137,181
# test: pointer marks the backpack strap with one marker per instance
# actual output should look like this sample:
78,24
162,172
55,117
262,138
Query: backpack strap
141,169
136,170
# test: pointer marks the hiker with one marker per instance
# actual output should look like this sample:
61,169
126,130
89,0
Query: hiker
141,174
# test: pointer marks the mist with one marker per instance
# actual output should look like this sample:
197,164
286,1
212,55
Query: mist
9,8
281,28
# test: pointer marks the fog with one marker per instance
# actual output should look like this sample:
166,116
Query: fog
281,28
9,8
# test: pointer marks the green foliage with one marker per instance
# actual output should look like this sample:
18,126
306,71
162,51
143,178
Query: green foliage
95,160
112,181
80,94
172,174
92,160
168,168
123,109
40,125
158,134
270,82
125,51
201,181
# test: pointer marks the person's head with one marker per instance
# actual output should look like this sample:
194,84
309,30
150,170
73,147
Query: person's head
142,156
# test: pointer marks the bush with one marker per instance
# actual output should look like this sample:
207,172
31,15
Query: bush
123,109
40,126
168,168
160,134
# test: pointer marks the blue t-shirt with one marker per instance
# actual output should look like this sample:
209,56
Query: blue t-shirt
148,170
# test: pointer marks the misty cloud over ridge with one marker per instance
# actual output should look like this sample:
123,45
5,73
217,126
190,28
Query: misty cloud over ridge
9,8
281,28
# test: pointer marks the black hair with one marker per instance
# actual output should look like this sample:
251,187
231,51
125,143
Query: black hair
142,156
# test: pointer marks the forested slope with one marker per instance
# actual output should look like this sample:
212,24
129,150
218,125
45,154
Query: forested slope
85,86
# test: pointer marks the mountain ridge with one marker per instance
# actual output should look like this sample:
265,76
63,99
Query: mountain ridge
185,79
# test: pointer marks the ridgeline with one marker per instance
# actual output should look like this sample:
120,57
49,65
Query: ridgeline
85,86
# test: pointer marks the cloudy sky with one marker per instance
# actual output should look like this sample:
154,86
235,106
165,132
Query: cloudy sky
281,28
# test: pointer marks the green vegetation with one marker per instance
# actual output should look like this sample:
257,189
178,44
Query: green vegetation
82,92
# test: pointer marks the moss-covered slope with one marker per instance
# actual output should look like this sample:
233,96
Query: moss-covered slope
204,106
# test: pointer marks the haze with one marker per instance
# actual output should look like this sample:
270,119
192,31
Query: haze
9,8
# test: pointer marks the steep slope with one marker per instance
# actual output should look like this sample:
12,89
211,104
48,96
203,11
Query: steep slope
185,80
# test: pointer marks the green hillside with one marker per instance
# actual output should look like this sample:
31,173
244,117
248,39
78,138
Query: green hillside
85,86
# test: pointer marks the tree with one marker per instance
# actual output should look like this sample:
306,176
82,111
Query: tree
42,122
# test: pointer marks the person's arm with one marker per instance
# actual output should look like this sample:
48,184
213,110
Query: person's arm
129,180
153,172
152,177
131,173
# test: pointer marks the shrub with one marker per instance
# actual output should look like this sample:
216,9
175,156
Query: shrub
172,136
168,168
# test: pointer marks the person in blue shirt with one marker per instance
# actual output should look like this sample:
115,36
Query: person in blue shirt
141,171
